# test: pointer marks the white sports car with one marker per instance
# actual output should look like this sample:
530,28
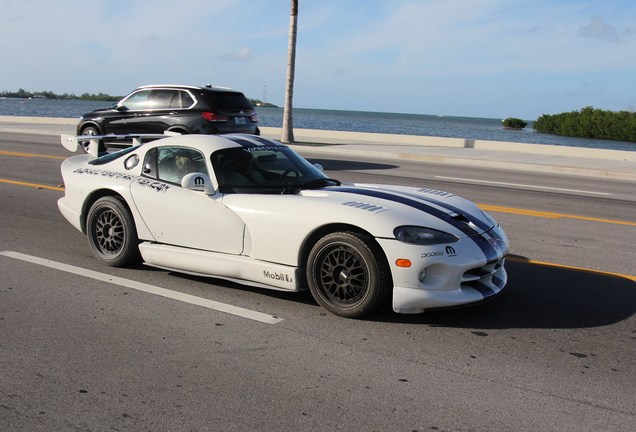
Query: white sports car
251,210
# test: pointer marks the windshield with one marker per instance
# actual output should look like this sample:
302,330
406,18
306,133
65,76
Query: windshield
266,169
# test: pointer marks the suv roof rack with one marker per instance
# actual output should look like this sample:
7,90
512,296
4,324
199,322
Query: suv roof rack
185,86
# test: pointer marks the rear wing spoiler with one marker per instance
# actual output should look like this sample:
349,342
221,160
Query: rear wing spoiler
91,143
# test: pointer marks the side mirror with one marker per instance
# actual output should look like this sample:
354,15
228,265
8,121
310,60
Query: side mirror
319,167
121,108
198,182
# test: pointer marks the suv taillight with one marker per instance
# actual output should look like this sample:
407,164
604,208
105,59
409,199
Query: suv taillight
254,117
214,117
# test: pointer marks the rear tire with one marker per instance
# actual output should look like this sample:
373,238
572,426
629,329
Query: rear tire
111,232
347,274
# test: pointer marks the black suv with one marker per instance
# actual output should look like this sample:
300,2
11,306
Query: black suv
175,108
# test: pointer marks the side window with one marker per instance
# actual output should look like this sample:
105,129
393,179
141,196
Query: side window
173,163
182,100
161,99
150,164
137,101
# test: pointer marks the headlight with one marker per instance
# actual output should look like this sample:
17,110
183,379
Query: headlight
423,236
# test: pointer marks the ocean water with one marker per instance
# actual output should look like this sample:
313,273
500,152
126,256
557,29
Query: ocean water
354,121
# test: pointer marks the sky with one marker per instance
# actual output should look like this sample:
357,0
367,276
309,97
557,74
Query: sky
474,58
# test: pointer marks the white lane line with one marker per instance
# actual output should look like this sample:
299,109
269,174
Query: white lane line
524,185
140,286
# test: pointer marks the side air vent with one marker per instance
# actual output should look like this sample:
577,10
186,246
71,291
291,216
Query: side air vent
365,206
435,192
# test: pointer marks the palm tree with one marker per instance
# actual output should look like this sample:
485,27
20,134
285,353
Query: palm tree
287,132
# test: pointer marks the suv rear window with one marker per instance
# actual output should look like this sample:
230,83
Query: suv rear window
228,101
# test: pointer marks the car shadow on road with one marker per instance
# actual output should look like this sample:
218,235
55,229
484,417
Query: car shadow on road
537,296
541,296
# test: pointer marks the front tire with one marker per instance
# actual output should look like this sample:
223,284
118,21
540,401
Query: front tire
111,232
347,274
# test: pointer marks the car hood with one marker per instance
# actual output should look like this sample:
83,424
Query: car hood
415,203
97,112
378,209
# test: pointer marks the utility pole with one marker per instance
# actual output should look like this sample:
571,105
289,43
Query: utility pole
287,132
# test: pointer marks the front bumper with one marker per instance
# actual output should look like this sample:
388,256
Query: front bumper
412,300
468,271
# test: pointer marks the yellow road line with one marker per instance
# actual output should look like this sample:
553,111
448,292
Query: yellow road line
30,155
511,258
523,260
486,207
33,185
551,215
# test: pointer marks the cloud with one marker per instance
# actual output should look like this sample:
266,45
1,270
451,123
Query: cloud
150,39
480,56
242,55
598,29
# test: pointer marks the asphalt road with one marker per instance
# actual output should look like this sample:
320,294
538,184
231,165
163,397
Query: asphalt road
91,348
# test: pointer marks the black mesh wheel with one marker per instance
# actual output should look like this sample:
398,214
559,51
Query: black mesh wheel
111,232
346,274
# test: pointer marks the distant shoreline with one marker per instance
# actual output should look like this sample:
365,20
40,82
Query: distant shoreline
99,97
334,138
471,128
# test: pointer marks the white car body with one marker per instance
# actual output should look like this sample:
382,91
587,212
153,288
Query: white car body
264,239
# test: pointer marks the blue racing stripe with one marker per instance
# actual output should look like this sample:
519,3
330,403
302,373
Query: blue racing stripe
377,193
483,289
242,142
249,142
487,249
475,221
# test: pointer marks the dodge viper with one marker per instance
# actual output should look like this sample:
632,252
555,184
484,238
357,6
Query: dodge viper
252,210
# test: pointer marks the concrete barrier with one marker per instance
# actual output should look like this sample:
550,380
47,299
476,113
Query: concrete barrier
39,120
342,137
326,136
345,137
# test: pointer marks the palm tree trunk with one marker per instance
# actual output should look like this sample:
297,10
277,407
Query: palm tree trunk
287,132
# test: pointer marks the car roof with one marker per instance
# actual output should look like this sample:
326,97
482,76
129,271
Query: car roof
208,87
210,143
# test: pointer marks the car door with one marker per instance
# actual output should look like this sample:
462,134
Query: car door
159,113
179,216
128,112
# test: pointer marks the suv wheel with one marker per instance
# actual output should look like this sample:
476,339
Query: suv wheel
92,131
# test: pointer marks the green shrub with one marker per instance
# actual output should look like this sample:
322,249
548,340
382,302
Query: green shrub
590,123
514,123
